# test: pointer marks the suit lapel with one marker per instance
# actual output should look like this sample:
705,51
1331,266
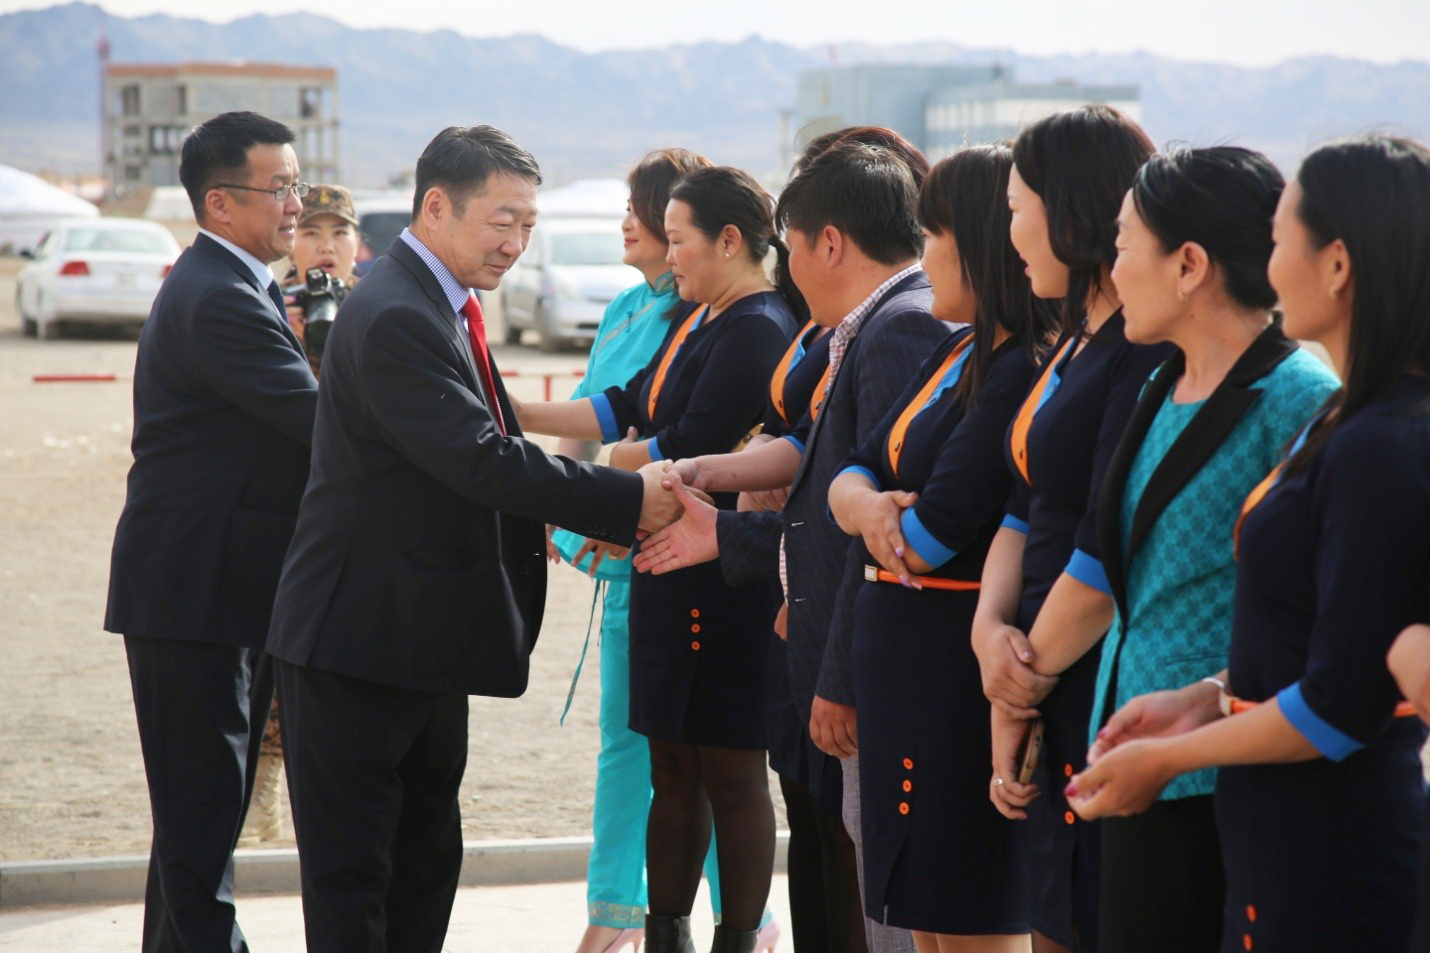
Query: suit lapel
825,414
214,250
441,312
1207,430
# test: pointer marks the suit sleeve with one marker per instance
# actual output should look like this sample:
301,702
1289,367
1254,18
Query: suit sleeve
1129,376
890,355
1371,504
749,545
428,413
241,352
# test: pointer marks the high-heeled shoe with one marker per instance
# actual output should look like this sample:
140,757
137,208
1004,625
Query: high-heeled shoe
769,937
635,936
668,934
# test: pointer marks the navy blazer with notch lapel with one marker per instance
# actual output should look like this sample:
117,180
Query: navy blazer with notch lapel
224,402
896,337
419,557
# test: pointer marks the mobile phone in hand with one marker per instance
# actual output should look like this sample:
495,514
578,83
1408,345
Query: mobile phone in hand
1029,751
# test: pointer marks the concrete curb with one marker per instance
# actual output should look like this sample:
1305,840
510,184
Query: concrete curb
121,879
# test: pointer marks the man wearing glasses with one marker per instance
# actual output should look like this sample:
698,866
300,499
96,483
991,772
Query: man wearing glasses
224,403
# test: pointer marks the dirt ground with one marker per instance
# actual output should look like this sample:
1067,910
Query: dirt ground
71,779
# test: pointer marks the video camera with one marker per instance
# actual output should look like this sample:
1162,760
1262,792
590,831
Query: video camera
319,297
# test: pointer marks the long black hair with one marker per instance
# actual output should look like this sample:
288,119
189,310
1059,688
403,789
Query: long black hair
966,194
1221,198
651,180
1081,162
1373,194
722,195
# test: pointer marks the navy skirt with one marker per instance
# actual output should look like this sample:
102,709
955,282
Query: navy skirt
698,654
938,856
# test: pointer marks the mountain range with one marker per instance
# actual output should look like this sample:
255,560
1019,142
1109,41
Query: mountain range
591,113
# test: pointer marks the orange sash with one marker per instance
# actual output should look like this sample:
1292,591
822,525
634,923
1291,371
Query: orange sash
1024,421
1238,705
691,323
895,443
875,574
781,375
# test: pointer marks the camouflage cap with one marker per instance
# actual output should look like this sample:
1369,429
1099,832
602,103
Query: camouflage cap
328,200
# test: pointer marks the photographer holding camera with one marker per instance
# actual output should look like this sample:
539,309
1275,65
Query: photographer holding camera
321,272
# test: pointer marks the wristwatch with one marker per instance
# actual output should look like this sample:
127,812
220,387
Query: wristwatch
1223,696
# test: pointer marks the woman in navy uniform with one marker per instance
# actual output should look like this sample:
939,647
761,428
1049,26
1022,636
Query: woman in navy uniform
938,858
1070,173
698,647
1320,796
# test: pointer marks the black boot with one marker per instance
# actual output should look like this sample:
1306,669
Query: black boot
733,941
668,934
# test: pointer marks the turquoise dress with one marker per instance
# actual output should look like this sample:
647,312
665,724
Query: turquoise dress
631,330
1174,625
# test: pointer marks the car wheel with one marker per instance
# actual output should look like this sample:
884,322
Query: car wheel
548,341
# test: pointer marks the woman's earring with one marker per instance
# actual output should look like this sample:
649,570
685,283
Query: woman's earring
1335,292
1181,296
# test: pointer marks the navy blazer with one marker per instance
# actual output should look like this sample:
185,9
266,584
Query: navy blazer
823,574
418,560
223,417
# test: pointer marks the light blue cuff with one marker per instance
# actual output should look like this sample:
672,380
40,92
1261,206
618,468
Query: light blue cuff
922,541
1328,739
863,470
1012,522
1088,571
606,417
798,444
654,449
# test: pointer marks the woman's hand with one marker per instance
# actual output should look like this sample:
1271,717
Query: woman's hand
1157,715
1005,662
874,516
1125,780
598,551
552,553
762,500
1008,795
630,453
1409,662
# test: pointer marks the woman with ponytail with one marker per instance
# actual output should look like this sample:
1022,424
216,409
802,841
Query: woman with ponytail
697,646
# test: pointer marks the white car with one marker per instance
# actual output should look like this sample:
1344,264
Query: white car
103,270
561,285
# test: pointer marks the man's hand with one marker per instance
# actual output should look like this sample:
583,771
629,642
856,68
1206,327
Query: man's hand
552,553
833,728
1005,661
1409,662
1158,715
659,506
598,551
782,622
686,542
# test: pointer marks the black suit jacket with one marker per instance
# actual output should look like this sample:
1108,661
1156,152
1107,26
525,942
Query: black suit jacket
223,418
418,561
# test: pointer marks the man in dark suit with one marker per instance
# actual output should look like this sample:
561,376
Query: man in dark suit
417,574
854,245
223,420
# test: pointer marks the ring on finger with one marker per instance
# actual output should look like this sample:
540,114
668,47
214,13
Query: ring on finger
997,782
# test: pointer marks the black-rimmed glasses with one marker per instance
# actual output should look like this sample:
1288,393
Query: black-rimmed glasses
300,189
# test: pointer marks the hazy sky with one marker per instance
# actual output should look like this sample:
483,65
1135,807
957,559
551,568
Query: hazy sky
1249,32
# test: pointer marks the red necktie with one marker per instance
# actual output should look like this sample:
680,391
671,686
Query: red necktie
477,330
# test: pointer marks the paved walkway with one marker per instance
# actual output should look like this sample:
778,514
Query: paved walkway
537,918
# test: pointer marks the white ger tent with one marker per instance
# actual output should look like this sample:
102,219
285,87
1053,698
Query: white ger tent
30,206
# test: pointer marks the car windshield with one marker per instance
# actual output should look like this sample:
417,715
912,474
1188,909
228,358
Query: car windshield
380,229
587,248
137,240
